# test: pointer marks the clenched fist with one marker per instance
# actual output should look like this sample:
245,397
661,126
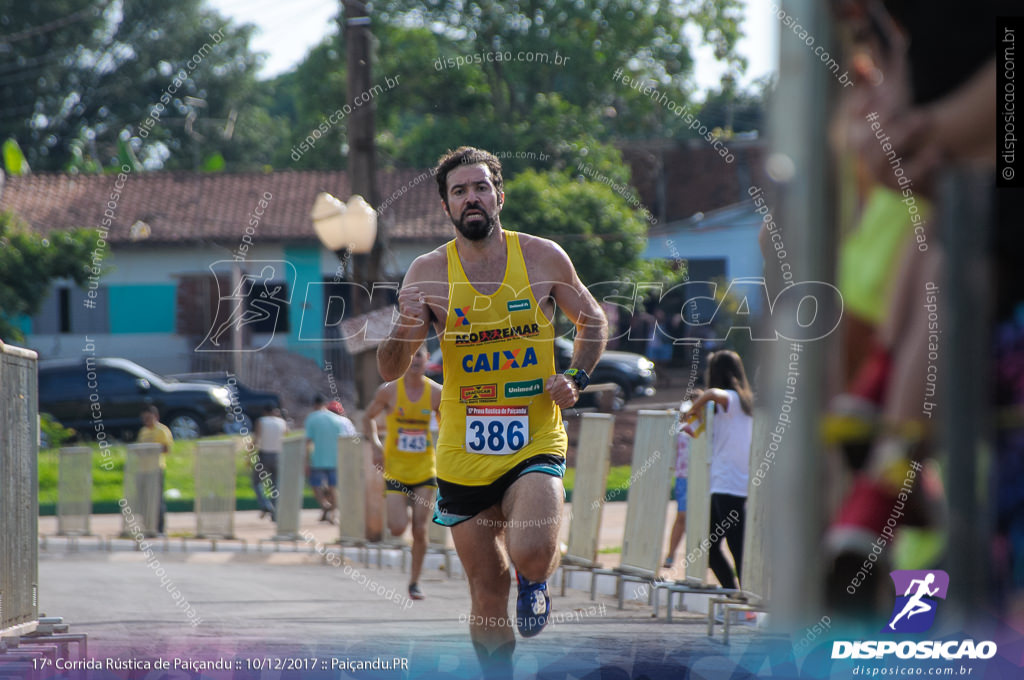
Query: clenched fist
412,306
563,390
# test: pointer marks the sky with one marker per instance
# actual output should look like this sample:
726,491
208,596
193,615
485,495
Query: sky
288,30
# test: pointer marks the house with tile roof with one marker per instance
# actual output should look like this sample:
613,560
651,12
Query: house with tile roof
185,253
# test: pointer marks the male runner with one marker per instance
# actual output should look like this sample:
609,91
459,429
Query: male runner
407,457
490,294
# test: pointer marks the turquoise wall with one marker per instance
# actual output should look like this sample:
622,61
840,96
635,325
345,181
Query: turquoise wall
306,260
142,308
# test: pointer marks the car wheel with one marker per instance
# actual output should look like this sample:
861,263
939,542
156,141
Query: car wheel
234,426
185,426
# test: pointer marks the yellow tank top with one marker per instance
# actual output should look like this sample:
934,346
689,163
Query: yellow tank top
498,353
408,449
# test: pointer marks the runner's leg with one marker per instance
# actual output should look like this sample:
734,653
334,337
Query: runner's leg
533,508
398,514
480,544
422,510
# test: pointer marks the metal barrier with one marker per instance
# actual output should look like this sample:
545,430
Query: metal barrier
351,491
698,502
19,491
74,491
653,454
756,582
215,489
593,458
290,485
143,488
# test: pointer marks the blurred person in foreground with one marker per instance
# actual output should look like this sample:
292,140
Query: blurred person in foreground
924,101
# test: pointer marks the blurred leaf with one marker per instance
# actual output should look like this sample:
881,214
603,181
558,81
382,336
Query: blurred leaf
15,164
214,163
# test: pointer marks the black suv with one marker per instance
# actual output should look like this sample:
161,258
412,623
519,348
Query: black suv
252,402
122,388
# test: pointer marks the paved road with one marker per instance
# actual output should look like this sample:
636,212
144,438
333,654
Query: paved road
293,605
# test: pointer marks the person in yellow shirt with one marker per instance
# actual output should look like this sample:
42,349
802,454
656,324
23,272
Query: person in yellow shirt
407,455
155,432
490,294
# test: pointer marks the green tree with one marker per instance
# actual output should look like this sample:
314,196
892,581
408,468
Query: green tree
74,85
29,263
575,49
599,230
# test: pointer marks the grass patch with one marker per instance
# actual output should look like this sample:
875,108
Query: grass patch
108,485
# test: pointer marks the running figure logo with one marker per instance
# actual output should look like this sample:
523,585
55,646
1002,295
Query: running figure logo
259,297
914,611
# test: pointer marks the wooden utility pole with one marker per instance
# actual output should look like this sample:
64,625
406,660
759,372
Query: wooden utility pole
362,167
362,152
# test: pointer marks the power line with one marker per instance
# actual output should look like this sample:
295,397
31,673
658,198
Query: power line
53,25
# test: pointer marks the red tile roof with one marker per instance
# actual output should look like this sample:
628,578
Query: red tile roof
189,207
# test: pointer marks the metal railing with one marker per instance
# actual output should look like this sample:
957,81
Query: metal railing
215,489
19,491
143,487
74,491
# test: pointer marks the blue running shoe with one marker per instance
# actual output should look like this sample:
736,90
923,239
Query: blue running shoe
532,606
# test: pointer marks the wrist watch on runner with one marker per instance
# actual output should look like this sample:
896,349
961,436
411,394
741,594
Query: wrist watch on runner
578,376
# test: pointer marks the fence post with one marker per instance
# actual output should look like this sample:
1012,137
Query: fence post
351,490
19,491
290,486
215,489
698,501
74,491
143,490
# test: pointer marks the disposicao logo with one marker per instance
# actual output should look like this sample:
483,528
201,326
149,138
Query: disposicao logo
917,592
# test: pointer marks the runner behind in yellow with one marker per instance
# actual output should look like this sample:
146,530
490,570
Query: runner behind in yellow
407,456
408,449
496,412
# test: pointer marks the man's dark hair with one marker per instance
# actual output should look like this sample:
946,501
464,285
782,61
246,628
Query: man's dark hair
466,155
319,400
150,408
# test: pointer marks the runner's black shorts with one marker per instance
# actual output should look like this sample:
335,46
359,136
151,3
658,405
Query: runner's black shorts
456,502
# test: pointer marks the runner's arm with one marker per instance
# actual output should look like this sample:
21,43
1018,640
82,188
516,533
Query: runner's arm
577,303
380,404
394,355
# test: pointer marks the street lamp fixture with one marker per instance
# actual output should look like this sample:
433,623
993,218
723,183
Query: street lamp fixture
341,227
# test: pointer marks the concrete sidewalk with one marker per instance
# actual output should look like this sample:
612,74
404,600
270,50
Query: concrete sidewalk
251,605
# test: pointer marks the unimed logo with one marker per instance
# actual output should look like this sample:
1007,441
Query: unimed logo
917,595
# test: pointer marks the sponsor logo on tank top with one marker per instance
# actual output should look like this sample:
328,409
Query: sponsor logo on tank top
471,394
500,360
527,330
523,388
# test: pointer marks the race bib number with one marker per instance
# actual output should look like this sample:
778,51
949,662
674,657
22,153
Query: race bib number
496,430
412,441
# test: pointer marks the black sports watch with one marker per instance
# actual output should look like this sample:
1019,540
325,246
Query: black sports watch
578,376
